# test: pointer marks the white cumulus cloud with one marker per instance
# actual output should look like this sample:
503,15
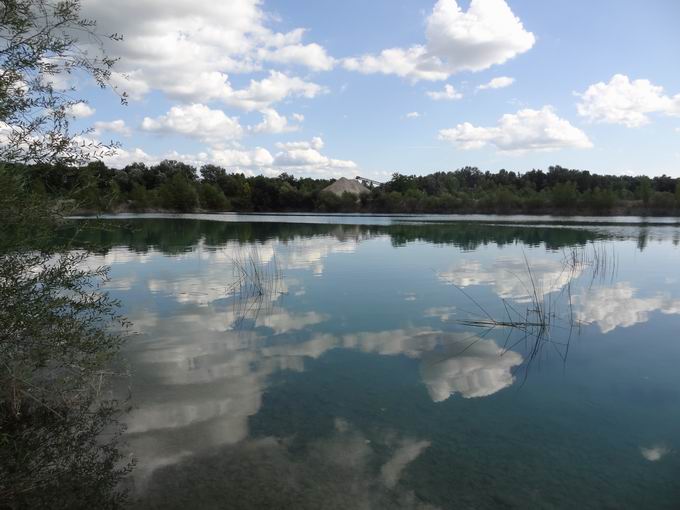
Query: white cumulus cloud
488,33
188,48
198,121
115,126
311,55
448,94
315,143
263,93
241,158
273,122
401,62
123,157
306,157
627,102
497,83
526,130
80,110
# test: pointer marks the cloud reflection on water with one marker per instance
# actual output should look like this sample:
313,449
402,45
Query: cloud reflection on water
472,370
617,307
609,307
199,377
200,380
655,453
341,470
509,277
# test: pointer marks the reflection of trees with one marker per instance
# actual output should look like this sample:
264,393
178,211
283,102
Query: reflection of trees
470,235
642,238
174,235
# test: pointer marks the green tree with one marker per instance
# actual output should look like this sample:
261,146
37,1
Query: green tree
564,195
57,345
349,202
329,202
139,198
40,42
601,201
212,198
57,327
644,190
178,194
505,200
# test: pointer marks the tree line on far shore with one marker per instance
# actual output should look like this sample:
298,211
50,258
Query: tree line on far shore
179,187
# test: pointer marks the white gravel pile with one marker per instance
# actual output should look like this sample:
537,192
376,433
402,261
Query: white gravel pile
343,185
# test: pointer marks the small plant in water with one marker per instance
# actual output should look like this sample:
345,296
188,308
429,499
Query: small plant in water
549,317
257,284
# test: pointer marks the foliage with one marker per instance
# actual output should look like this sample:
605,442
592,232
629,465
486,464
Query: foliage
59,331
58,342
564,195
644,190
55,366
212,198
177,194
43,43
139,198
176,186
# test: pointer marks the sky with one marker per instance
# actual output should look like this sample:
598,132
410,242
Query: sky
327,89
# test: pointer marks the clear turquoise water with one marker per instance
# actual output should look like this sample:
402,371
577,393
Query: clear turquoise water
353,383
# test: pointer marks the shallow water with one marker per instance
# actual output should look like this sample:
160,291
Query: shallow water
353,378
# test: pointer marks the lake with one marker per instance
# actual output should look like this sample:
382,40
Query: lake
399,362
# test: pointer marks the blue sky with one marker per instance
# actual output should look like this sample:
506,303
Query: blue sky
307,87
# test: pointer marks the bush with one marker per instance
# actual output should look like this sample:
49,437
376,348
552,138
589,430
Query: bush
601,201
329,202
59,344
349,202
663,201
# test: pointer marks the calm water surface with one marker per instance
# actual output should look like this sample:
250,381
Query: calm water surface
354,378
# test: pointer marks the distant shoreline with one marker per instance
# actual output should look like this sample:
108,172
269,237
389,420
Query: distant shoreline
529,219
